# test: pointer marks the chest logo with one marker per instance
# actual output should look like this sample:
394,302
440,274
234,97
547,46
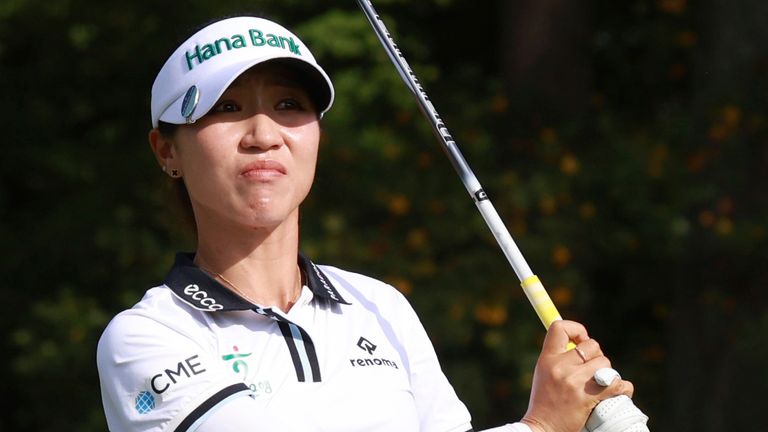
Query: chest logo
238,365
369,347
366,345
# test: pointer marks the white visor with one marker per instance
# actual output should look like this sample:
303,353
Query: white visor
202,67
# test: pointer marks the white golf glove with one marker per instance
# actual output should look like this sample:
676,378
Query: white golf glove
617,414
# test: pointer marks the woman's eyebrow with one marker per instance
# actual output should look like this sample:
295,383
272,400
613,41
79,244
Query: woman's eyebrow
284,81
275,80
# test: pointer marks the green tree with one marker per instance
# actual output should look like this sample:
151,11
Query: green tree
637,193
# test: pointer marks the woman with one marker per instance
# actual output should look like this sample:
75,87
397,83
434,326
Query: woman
247,333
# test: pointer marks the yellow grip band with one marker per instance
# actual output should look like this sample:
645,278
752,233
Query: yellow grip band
540,301
542,304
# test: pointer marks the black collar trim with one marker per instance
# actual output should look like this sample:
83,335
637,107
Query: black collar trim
199,290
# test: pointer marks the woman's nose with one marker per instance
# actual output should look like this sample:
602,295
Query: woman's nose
262,133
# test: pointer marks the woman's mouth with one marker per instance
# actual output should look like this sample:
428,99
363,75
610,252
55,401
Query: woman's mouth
263,170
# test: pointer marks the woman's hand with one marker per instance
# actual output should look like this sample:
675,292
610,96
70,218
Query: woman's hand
564,391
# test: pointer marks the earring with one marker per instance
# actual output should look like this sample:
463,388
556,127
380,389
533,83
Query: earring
174,172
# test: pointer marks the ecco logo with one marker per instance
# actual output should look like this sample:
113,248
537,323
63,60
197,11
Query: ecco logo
201,297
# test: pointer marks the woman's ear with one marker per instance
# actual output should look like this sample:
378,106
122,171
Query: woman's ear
165,153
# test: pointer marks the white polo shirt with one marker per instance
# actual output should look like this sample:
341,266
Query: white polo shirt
350,355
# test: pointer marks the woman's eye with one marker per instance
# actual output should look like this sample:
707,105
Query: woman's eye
226,106
289,104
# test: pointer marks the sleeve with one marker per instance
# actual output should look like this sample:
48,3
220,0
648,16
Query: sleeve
513,427
439,408
160,376
244,414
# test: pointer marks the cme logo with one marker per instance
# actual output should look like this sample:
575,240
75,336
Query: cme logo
201,298
145,402
184,370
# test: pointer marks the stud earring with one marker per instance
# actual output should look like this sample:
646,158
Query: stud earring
175,173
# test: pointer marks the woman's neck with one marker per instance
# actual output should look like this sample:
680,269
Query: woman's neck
257,264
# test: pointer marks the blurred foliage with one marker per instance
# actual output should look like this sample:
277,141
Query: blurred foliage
645,215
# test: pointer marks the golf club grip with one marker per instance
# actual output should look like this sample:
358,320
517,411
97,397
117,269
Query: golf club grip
532,286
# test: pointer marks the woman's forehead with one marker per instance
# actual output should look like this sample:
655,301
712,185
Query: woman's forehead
273,73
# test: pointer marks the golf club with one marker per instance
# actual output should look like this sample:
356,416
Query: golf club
532,286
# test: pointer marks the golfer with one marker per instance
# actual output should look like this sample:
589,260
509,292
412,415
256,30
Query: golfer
247,333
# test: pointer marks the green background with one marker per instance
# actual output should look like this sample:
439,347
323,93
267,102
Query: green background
625,145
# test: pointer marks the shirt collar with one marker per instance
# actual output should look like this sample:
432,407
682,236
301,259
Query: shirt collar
199,290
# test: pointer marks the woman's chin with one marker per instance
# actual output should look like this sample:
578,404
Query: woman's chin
270,219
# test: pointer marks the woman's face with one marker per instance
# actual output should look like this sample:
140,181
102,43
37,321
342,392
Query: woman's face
251,160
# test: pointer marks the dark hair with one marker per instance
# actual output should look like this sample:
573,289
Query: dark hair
167,130
178,190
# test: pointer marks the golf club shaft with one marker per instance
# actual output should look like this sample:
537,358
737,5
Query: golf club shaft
533,288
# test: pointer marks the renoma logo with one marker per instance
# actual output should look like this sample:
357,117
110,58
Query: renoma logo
369,347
